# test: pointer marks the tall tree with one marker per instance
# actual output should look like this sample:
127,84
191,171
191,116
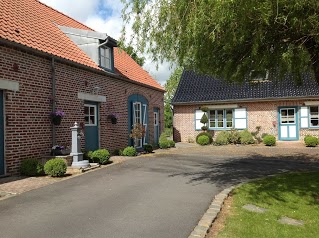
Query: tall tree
133,53
229,38
170,87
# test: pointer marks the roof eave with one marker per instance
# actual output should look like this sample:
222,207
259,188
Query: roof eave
245,100
73,63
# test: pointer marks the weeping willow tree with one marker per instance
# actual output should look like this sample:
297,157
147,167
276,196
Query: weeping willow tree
228,38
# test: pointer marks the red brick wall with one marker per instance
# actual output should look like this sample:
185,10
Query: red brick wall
28,130
264,114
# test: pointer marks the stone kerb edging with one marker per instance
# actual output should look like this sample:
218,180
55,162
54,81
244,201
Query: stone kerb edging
209,217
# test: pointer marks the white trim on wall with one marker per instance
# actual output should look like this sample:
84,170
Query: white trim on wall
228,106
9,85
91,97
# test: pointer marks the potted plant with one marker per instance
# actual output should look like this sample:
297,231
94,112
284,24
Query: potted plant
56,117
113,117
60,150
137,132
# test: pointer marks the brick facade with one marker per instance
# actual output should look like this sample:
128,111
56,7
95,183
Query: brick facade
28,130
263,114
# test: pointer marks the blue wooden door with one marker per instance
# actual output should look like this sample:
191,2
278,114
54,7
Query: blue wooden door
91,115
156,125
1,135
288,123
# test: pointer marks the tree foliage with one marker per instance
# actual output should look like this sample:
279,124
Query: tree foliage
133,53
229,38
170,87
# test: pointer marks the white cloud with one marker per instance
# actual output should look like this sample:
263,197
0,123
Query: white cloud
105,16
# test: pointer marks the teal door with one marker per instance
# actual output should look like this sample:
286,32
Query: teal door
156,125
91,115
1,135
288,123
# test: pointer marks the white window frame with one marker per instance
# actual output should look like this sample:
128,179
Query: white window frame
224,119
106,59
89,115
309,115
282,109
139,104
144,122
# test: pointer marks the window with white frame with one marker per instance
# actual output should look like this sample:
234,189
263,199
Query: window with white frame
219,119
105,57
90,115
314,116
309,117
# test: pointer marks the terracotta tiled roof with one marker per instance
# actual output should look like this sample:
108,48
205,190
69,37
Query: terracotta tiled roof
126,66
33,24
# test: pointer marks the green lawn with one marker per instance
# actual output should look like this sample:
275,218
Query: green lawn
292,195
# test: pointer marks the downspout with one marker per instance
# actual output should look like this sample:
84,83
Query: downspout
53,99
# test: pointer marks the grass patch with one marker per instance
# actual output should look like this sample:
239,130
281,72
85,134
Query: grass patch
295,195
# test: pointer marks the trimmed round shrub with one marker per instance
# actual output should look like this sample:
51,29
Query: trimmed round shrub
129,151
204,128
269,140
148,148
206,134
101,156
203,140
263,135
31,167
171,143
311,141
164,144
55,167
222,138
246,138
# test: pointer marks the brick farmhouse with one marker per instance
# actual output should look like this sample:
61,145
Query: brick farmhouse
279,107
51,62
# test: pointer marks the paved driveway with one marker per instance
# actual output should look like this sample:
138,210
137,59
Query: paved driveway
161,196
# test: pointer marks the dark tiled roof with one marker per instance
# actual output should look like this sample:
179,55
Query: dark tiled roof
195,88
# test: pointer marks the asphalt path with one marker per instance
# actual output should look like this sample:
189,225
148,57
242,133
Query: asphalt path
162,196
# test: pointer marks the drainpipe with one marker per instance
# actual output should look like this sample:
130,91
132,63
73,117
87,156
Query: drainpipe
53,99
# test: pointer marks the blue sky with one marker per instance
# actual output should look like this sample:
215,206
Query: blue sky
105,16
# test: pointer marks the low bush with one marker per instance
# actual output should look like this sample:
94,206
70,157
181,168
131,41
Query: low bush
311,141
204,128
234,137
117,152
171,143
206,134
222,138
148,148
129,151
164,144
263,135
55,167
101,156
203,140
31,167
269,140
246,138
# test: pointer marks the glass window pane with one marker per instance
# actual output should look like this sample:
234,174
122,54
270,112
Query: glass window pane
107,64
86,110
102,61
291,112
220,114
220,124
92,119
229,115
102,50
284,120
92,111
212,115
313,110
229,124
314,122
86,119
283,112
107,52
212,123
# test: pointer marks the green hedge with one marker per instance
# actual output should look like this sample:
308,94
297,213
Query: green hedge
101,156
311,141
129,151
31,167
269,140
